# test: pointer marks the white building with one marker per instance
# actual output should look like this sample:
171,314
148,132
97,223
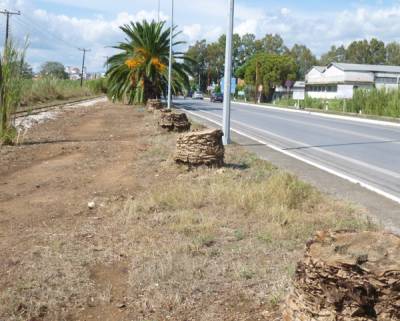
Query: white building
338,80
74,73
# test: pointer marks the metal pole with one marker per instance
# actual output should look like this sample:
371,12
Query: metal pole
158,11
170,57
228,76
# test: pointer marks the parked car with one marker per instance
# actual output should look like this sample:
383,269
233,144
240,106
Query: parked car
198,95
217,97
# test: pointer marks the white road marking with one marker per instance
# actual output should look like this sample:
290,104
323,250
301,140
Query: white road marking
346,131
332,154
305,160
317,114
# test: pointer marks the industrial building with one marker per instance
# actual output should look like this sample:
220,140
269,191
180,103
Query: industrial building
339,80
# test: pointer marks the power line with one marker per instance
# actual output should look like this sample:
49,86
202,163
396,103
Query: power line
51,37
55,36
8,14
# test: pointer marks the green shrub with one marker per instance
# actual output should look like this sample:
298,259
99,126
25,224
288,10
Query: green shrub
43,90
377,102
11,63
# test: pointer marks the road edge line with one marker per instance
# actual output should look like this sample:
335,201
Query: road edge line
312,163
348,118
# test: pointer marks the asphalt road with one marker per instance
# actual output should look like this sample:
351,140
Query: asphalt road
364,153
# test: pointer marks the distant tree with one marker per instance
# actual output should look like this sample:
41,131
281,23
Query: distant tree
53,69
304,58
215,62
199,63
358,52
26,71
335,54
364,52
236,48
377,52
393,53
273,44
270,71
247,48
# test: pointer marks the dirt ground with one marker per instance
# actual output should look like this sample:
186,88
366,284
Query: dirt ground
87,154
143,252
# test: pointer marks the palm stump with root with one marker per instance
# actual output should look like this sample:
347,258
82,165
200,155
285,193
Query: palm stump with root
347,276
174,121
154,104
200,148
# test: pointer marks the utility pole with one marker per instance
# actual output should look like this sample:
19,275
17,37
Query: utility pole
8,14
199,80
171,34
226,119
107,57
84,50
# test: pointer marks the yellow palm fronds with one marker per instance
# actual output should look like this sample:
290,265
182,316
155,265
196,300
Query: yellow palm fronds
158,64
134,63
143,52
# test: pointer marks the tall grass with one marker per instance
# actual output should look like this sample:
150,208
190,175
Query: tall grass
44,90
11,83
375,102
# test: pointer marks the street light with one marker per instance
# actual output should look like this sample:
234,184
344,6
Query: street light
170,56
226,119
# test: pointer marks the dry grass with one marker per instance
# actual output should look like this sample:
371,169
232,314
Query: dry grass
199,245
242,227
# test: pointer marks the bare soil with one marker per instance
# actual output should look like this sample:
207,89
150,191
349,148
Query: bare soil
162,242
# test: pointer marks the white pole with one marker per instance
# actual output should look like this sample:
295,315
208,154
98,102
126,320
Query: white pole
170,57
158,16
228,76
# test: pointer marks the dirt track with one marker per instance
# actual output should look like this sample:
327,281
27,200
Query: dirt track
86,155
162,242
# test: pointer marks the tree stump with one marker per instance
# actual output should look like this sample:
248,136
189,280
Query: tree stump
347,276
173,121
154,104
200,148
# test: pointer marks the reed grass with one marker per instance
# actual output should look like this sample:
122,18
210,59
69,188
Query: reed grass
374,102
11,89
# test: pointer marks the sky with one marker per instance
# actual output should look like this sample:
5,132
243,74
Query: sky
57,28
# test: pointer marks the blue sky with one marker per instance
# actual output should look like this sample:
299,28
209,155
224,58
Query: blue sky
57,27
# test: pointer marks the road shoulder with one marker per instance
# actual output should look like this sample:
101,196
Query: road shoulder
380,209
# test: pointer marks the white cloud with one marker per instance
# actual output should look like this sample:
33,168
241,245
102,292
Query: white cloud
285,11
247,26
193,32
56,36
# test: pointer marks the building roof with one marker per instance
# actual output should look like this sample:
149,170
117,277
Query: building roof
299,84
320,68
366,68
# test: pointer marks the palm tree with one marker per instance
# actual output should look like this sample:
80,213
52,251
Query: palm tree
140,71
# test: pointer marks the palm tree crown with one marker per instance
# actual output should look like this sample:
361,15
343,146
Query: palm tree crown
140,71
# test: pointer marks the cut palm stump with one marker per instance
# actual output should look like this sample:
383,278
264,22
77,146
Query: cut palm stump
347,276
154,104
200,148
173,121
